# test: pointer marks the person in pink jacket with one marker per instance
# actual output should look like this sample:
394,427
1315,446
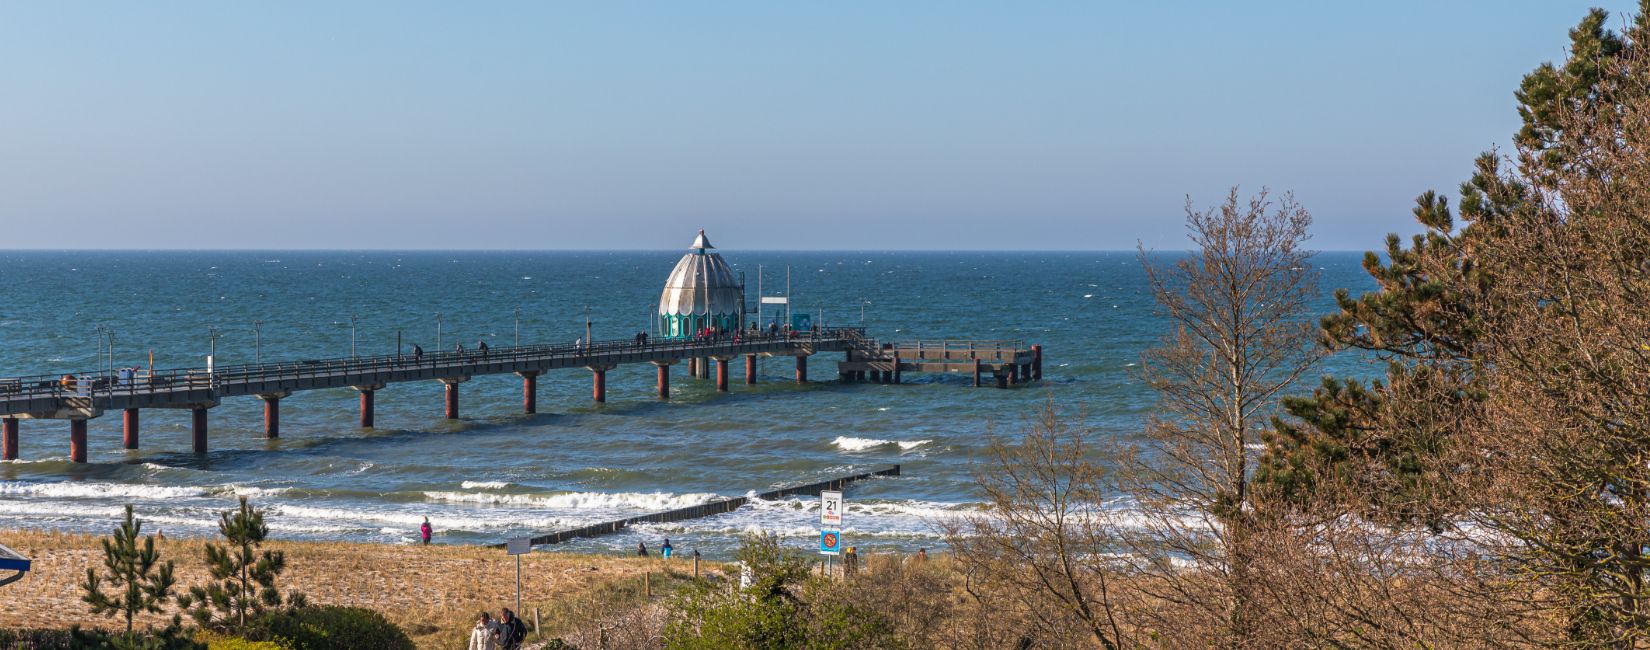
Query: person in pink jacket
424,531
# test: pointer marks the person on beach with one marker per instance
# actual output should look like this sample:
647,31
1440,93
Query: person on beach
641,549
484,636
424,531
664,551
511,631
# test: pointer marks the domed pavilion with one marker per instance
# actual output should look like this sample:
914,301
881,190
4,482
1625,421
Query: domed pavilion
702,292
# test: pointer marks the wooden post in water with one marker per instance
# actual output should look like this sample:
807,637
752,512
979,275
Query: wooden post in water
976,372
722,374
598,386
750,369
801,369
664,380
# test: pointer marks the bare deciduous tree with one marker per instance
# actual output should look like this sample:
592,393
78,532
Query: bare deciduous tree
1240,334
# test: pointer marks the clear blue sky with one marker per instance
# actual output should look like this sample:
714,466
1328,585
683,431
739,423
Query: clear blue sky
924,125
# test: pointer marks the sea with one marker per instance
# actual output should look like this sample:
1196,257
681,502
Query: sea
496,473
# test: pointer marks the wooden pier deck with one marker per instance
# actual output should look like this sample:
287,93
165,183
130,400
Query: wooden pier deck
77,397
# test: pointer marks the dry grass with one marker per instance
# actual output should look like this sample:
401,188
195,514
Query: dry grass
433,592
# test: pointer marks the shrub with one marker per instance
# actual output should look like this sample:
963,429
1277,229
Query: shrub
215,641
323,628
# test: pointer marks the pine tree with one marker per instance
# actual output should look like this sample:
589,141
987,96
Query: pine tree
1425,317
244,578
138,581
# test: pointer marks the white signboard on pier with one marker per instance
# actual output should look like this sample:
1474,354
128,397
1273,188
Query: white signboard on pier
830,509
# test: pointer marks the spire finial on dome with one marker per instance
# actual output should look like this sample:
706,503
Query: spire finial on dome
700,242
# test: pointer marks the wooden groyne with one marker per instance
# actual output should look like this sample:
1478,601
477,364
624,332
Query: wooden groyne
716,507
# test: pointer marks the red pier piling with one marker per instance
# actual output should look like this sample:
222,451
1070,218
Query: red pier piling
801,369
8,448
272,416
721,375
366,408
598,388
129,428
529,392
750,369
77,440
664,381
452,399
197,429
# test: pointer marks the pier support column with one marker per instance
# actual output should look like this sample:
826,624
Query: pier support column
722,374
129,428
598,385
896,368
1002,379
529,392
8,438
366,406
272,417
450,385
801,369
1013,374
704,368
693,366
976,373
272,413
197,429
750,370
1037,362
77,440
664,380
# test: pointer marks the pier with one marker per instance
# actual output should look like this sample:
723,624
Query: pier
198,390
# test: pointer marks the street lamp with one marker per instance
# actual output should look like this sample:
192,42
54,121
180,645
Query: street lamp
862,303
257,342
438,331
97,356
352,319
212,346
587,327
518,327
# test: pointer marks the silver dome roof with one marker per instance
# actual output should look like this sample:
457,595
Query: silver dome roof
701,284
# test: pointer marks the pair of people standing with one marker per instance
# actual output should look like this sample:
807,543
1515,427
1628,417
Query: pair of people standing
504,633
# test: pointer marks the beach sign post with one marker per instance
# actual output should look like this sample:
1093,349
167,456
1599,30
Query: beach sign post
518,547
830,526
830,509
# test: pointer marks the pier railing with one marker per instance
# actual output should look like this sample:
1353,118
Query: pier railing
123,382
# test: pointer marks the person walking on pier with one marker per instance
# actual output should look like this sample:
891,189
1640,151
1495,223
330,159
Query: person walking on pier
482,345
424,531
418,352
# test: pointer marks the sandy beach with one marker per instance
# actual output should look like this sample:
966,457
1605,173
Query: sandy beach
432,592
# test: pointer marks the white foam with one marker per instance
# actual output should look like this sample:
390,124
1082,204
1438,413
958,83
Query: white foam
97,490
649,501
484,485
848,443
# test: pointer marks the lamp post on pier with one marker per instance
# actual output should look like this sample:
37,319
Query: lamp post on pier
212,347
862,303
257,342
352,319
518,327
587,327
438,331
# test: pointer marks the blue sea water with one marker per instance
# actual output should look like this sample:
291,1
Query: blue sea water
497,473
